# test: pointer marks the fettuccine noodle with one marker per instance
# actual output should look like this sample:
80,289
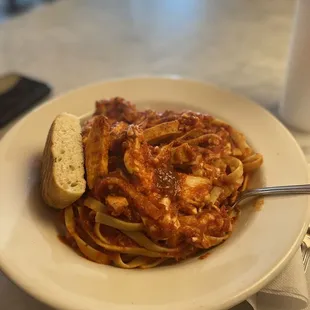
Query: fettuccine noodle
160,187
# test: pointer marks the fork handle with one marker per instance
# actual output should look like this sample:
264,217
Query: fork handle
274,191
277,191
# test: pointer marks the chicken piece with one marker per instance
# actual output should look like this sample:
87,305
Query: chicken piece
117,109
160,221
203,168
117,204
143,205
158,133
215,195
186,208
118,136
154,173
86,129
194,190
183,153
118,129
138,159
162,155
97,150
165,227
190,120
206,229
148,118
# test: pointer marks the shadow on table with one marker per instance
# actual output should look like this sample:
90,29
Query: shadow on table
12,297
243,306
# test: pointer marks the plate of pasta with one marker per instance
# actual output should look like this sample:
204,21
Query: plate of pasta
123,198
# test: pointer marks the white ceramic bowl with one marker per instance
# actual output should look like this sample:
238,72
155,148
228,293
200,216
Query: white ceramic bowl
263,241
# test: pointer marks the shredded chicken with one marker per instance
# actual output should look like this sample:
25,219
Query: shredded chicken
96,150
118,204
170,175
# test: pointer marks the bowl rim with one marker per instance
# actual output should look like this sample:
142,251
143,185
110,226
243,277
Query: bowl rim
9,272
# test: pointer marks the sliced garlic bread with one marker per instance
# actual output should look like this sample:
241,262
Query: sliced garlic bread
62,173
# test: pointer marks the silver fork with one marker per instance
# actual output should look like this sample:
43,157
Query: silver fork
306,258
303,189
305,250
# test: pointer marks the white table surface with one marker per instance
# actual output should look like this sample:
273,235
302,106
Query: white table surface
238,44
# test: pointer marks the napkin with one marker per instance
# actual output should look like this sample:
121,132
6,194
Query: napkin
288,291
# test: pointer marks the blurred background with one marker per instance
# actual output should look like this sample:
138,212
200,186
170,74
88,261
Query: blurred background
10,8
241,45
238,44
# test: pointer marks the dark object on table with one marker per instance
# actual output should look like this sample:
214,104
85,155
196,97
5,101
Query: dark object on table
14,7
18,94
